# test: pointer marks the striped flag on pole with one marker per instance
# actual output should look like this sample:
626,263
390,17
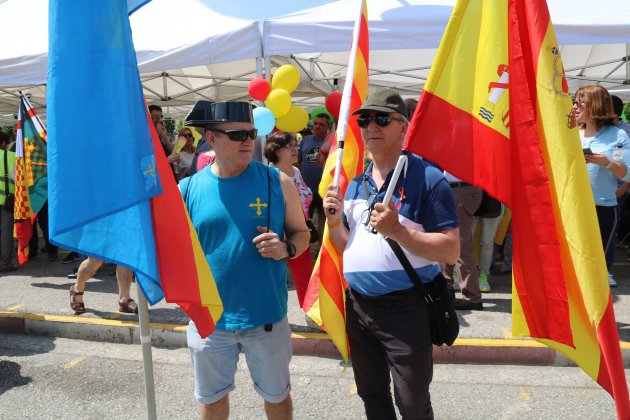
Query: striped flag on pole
496,112
30,174
324,302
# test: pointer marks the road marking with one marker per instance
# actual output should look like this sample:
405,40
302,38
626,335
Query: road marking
15,307
353,388
73,362
525,395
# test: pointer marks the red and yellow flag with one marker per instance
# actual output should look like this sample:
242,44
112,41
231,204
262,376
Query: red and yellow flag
30,174
496,112
185,275
325,298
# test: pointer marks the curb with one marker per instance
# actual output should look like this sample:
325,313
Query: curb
464,350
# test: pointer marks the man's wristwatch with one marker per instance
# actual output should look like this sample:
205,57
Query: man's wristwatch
290,250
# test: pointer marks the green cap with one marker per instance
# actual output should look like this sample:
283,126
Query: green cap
384,100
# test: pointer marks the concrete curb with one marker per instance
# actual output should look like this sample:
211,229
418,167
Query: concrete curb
464,350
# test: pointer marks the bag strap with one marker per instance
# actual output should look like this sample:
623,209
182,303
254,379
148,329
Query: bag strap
415,279
6,173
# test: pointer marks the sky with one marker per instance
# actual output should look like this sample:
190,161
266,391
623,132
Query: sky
260,10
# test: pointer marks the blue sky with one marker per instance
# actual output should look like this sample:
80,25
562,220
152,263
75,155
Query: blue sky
260,10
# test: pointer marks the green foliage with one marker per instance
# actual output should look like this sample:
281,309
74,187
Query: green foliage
626,111
169,124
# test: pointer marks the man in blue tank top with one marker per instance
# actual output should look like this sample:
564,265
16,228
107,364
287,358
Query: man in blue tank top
249,221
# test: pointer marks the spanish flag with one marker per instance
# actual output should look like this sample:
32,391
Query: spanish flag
325,300
496,112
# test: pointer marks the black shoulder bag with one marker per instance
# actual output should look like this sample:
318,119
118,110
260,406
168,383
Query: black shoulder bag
442,315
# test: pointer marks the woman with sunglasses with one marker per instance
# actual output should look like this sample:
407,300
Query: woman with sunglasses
607,154
281,150
186,153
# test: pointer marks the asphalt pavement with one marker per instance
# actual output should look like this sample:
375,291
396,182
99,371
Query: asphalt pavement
35,300
58,378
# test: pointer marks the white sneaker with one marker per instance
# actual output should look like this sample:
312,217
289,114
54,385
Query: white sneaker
484,286
611,280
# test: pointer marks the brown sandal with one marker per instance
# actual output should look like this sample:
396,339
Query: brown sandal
128,307
77,307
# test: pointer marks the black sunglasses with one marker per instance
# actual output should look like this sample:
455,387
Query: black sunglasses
238,135
383,120
187,135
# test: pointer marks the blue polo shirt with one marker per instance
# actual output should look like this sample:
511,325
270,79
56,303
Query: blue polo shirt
425,203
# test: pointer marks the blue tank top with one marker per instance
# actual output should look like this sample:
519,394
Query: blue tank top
225,213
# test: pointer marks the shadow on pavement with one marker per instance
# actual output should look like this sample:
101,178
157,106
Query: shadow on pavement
10,376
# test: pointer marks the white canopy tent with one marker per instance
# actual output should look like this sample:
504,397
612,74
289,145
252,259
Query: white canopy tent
404,36
187,52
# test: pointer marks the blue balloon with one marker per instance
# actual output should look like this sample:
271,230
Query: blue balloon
264,120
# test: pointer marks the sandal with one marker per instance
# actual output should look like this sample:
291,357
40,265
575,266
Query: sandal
129,307
77,307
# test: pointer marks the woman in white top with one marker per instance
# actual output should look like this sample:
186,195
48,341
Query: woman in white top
186,153
281,150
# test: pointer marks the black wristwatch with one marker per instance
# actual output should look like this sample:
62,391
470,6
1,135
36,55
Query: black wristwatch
290,249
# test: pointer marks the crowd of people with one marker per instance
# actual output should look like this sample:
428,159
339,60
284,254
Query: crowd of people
265,218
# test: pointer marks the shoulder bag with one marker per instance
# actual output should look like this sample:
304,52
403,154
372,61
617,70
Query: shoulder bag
442,315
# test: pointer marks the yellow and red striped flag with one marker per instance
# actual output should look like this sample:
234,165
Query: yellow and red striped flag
31,172
496,112
325,297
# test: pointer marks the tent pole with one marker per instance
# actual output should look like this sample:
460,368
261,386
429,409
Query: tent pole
147,357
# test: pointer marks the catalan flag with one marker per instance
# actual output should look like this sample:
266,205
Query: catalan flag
112,194
496,112
30,174
325,298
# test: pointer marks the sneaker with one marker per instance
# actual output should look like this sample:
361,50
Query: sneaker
611,280
484,286
70,258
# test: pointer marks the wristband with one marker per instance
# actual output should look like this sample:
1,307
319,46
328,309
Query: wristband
335,224
609,164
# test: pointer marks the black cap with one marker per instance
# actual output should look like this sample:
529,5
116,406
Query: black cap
205,113
384,100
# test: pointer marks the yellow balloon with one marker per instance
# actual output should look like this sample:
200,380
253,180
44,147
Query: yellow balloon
294,120
287,77
279,102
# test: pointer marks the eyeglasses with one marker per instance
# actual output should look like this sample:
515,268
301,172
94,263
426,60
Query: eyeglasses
238,135
383,120
187,135
365,215
580,102
292,146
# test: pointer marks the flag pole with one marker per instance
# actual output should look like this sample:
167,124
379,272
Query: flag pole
402,163
344,109
147,357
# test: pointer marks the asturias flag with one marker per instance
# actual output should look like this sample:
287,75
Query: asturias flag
30,174
106,176
325,298
496,112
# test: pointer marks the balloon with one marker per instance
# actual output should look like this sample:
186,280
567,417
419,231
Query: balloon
333,103
321,110
259,88
264,120
294,120
287,77
279,102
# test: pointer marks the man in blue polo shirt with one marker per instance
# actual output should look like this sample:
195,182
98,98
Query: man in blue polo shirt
387,321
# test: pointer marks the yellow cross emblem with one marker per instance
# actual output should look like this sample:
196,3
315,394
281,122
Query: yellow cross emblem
150,171
258,205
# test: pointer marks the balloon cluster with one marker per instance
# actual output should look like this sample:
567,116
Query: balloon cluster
278,110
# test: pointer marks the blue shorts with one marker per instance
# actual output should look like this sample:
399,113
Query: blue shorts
267,353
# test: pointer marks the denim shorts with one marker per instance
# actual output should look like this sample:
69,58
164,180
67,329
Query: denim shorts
267,353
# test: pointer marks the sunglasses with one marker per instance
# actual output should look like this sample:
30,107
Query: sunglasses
238,135
383,120
187,135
